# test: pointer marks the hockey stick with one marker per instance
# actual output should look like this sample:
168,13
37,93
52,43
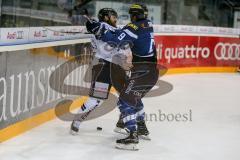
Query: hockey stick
69,32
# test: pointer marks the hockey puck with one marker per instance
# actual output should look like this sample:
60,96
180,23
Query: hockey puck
99,128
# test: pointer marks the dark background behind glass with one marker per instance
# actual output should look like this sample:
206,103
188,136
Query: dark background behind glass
25,13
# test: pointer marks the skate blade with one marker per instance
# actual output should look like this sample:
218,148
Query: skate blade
72,132
129,147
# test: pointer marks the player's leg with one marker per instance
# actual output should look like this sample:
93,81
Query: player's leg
144,85
142,130
99,91
143,78
89,105
129,119
118,78
127,106
120,128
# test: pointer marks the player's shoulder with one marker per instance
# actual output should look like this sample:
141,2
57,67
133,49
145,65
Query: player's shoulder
132,26
145,23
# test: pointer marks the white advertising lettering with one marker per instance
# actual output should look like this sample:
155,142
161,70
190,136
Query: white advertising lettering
185,52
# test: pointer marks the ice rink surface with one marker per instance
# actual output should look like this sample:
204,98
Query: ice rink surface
211,132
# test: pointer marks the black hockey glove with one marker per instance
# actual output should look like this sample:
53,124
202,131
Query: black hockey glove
93,26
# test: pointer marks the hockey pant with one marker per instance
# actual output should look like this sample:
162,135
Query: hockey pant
143,77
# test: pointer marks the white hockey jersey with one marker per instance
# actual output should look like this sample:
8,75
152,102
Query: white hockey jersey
107,51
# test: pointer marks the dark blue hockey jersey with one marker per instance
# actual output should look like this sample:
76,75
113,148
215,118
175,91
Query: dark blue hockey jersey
138,34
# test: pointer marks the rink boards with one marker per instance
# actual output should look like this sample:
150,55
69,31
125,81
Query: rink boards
26,65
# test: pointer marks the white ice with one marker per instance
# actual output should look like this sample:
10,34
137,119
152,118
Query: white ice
213,133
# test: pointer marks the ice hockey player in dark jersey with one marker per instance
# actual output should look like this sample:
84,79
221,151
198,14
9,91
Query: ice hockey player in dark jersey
142,130
144,73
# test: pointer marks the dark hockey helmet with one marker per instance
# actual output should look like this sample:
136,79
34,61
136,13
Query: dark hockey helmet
138,11
145,10
106,12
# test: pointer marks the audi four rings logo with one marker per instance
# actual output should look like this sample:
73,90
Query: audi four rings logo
227,51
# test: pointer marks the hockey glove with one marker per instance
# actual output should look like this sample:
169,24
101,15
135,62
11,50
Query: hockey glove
93,26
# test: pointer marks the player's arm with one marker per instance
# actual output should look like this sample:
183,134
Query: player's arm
123,35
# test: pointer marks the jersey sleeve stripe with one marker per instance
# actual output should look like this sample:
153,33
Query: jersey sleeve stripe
130,33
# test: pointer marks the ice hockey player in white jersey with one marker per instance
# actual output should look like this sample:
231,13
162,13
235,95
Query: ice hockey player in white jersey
106,56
